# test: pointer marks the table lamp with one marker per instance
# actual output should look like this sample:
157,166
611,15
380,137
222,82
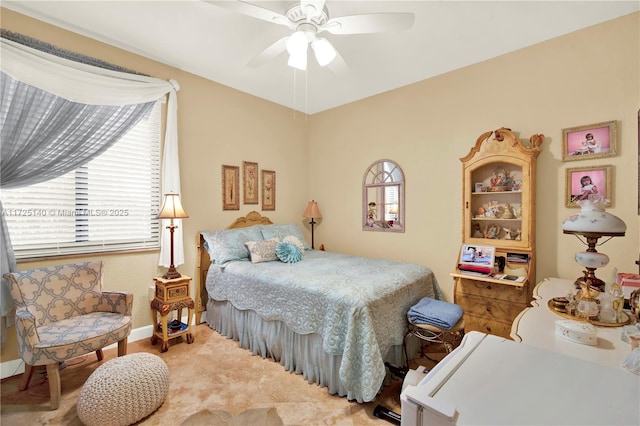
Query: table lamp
172,209
394,211
592,223
312,212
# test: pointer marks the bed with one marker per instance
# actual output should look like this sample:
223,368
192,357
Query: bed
333,318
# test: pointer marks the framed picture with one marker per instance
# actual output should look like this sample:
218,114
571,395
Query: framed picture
592,141
585,182
249,182
268,190
478,187
230,187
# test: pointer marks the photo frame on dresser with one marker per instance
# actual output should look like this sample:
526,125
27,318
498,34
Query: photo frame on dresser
585,182
230,187
249,182
268,190
590,141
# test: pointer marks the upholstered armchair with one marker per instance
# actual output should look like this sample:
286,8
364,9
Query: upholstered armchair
61,313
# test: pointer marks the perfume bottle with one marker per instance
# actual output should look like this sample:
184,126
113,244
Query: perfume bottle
618,299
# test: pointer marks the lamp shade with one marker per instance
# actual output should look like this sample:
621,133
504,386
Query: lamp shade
593,219
297,43
324,51
298,61
172,208
312,210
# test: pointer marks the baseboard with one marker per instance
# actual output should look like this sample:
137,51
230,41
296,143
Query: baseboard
16,366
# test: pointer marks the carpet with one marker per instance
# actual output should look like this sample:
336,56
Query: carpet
211,382
256,416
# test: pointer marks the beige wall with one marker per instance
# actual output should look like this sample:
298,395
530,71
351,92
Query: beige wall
585,77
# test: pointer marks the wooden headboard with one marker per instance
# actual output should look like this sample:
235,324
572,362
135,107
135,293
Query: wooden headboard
203,261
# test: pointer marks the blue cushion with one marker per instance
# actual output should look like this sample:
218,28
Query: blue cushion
288,252
282,231
229,244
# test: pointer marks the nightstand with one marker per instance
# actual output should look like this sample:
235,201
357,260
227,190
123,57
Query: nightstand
171,295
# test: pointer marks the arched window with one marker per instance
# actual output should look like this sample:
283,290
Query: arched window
383,197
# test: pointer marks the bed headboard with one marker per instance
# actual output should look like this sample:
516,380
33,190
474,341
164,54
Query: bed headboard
203,260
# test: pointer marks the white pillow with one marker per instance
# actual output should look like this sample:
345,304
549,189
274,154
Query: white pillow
263,251
294,240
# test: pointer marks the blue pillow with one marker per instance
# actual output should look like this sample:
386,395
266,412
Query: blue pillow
288,252
282,231
229,244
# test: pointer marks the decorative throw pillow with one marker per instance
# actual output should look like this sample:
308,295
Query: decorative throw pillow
294,240
288,252
263,251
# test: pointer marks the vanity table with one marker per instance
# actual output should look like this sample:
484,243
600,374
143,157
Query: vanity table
535,326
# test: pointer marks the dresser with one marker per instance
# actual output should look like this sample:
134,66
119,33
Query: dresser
490,305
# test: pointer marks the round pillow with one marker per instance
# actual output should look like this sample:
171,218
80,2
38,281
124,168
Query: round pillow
124,390
288,252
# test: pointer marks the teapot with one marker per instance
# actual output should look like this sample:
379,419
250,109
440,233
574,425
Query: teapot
634,302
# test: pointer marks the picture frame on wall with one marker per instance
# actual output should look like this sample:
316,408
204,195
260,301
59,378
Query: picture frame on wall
590,141
585,182
249,182
230,187
268,190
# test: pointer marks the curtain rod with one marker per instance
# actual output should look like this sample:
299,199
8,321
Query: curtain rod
63,53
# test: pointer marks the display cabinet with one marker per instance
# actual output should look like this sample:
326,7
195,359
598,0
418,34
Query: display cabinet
498,210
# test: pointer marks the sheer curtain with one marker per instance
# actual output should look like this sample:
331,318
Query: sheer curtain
84,109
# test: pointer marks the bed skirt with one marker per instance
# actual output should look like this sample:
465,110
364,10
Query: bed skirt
300,353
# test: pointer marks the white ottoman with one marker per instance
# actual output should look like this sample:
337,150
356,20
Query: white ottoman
124,390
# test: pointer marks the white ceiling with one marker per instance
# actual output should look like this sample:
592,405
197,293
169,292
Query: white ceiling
215,43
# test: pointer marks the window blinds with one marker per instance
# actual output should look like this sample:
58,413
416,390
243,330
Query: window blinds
109,204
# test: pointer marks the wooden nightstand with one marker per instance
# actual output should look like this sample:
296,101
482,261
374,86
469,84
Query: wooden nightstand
171,295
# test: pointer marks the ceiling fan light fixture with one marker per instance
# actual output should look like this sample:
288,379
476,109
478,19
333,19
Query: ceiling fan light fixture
324,51
298,61
297,43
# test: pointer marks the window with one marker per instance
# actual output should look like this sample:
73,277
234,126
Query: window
109,204
383,197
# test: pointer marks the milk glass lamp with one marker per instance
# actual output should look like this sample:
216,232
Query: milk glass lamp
592,223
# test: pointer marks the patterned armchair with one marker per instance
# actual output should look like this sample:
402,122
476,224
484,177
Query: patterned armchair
61,313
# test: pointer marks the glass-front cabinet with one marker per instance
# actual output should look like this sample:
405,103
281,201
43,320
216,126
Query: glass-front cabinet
498,210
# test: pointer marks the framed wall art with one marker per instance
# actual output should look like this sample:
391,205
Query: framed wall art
585,182
268,190
249,182
592,141
230,187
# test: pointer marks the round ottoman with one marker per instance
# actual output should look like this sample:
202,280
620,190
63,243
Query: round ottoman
124,390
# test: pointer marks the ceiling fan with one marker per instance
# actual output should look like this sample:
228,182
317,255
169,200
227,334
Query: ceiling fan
308,19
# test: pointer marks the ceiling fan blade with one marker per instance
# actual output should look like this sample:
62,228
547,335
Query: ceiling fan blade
317,6
269,53
249,9
369,23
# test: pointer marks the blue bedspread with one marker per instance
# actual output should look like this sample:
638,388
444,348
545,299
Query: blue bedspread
358,305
